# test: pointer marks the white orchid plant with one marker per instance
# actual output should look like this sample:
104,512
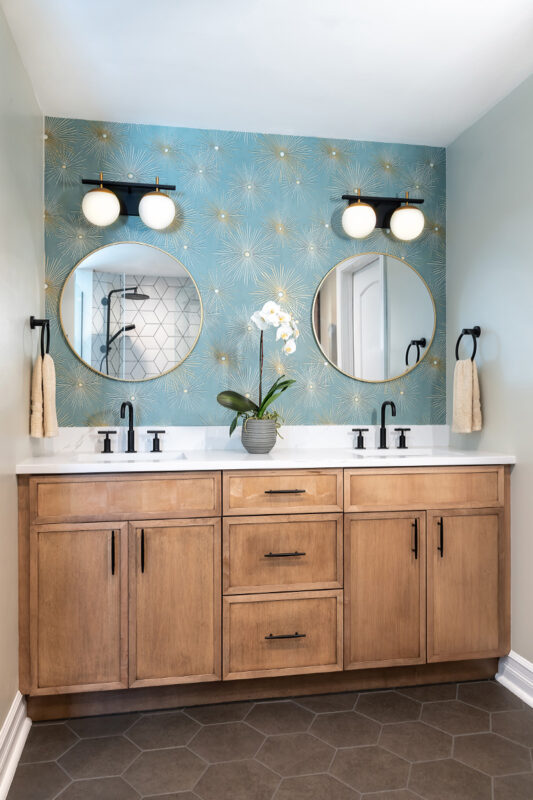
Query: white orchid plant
270,316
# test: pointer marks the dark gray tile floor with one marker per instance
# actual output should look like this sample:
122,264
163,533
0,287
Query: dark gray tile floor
470,741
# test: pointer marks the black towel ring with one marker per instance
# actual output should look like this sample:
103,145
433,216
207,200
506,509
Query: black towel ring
44,325
474,332
418,343
45,330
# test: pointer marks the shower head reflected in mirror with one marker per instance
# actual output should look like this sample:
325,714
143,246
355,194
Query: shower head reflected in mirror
135,294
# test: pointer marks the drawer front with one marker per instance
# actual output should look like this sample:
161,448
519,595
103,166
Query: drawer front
260,634
282,491
110,497
282,553
423,487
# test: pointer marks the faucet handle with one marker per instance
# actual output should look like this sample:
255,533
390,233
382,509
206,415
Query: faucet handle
156,444
402,443
107,440
360,444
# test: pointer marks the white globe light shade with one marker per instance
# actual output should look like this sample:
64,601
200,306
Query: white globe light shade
359,220
407,223
157,210
101,207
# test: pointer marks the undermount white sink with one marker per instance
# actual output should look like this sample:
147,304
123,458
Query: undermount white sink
129,458
393,452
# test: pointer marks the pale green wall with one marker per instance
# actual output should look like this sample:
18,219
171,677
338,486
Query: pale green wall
490,283
22,294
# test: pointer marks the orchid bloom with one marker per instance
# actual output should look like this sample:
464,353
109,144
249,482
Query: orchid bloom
289,346
272,315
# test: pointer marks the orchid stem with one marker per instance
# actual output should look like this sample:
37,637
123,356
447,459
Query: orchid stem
261,369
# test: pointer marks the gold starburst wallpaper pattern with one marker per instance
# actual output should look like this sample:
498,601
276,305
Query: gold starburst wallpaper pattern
258,218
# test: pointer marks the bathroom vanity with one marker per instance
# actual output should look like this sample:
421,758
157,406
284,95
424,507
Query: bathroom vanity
142,588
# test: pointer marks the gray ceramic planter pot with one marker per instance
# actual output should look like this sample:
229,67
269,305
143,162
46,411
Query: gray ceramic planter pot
259,435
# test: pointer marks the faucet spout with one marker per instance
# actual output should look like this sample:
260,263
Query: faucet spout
383,429
131,431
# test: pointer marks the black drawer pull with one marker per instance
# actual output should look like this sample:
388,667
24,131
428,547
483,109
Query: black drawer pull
440,547
284,555
112,552
296,635
142,550
415,548
285,491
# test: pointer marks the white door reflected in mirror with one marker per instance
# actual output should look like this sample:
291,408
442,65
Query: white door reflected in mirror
374,317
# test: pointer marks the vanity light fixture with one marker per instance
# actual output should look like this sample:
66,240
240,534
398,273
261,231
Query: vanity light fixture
395,213
156,209
127,197
101,206
359,219
407,222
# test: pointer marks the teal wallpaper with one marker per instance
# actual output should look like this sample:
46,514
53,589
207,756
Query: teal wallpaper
274,198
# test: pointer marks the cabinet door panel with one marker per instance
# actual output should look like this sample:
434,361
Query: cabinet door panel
384,590
175,602
78,599
467,579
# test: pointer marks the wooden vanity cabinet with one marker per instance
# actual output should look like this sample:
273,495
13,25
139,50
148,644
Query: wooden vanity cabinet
468,584
145,580
174,612
78,607
384,589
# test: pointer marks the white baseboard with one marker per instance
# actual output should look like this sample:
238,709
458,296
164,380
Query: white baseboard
516,674
13,735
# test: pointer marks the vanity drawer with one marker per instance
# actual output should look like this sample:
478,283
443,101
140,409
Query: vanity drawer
282,491
87,498
423,487
282,553
259,634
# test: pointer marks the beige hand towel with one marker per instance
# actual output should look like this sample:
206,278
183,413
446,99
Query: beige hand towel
49,397
36,415
466,398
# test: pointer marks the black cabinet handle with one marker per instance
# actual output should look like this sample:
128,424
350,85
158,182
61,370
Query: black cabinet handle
415,548
112,552
142,550
296,635
284,555
285,491
440,547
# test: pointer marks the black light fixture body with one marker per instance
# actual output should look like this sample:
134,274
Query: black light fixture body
383,206
129,194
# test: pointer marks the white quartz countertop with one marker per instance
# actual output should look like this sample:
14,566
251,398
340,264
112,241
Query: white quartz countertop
280,458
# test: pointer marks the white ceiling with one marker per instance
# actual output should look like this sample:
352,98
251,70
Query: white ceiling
414,71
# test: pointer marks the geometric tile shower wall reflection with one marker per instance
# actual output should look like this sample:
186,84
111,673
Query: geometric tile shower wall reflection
257,218
166,325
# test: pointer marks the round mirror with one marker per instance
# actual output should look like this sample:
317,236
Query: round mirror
374,317
130,311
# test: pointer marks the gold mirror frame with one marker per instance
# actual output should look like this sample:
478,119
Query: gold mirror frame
103,374
430,342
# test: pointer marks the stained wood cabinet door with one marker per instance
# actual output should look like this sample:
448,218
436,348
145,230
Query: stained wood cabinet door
78,607
468,585
175,601
384,589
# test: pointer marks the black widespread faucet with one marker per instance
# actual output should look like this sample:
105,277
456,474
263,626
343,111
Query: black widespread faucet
131,432
383,429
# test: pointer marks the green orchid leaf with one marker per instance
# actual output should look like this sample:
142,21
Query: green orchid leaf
270,400
233,425
237,402
273,387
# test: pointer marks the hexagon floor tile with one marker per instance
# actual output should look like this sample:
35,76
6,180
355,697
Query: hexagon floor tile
468,741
